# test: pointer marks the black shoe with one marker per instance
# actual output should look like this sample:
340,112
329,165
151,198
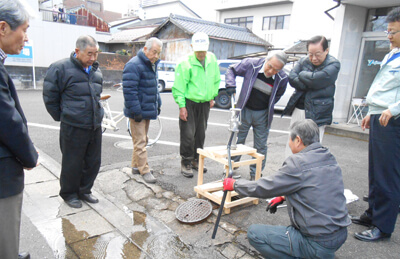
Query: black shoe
365,198
195,166
372,234
135,170
89,198
186,170
74,203
364,220
24,255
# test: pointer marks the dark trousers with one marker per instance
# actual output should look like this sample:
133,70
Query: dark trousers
81,159
193,131
384,173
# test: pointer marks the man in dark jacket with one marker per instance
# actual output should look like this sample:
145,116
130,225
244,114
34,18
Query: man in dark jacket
263,85
71,93
312,183
142,102
16,149
314,78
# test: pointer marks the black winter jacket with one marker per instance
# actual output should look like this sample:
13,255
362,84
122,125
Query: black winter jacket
71,95
317,84
139,82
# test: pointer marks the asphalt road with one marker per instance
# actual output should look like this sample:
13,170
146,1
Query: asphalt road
351,155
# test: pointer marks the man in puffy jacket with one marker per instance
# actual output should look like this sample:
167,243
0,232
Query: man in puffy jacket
196,85
312,184
71,93
314,78
263,85
142,102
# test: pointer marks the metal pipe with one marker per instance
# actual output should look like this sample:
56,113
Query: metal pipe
336,6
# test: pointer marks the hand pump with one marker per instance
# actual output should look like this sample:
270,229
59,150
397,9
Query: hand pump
234,123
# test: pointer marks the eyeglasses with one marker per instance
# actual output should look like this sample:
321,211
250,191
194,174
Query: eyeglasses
391,33
317,55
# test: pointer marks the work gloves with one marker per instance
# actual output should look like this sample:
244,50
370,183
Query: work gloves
229,184
138,117
230,90
274,203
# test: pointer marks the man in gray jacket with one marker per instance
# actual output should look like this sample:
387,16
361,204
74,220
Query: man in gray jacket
311,181
314,78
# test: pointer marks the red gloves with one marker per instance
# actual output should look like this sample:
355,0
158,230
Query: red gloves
274,203
228,184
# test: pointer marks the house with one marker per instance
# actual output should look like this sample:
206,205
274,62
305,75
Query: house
161,8
225,40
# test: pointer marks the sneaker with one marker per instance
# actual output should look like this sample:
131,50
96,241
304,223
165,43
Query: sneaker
253,177
149,178
186,170
236,175
135,170
195,166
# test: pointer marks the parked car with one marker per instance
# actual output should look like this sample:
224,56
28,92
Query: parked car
166,75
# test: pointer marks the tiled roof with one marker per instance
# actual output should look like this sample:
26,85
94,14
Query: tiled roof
127,36
300,47
214,29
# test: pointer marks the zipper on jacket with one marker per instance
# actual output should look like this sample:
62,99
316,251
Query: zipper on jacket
290,242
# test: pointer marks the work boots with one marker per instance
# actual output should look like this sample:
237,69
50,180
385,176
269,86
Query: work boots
195,166
186,170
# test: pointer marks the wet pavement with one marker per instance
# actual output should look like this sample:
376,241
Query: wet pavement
137,220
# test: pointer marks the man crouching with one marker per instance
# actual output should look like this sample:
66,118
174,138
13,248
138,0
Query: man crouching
311,181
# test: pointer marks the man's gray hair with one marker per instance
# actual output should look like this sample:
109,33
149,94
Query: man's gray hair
13,13
279,55
83,41
150,42
307,130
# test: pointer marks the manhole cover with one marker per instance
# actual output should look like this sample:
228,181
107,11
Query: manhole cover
193,211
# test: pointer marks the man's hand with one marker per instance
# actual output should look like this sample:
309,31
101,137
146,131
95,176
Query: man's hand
228,184
274,203
138,118
212,103
365,122
385,117
183,113
230,90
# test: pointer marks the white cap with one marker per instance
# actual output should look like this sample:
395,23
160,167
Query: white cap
200,41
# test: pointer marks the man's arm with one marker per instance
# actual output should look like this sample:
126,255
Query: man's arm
294,79
13,131
52,92
238,69
322,78
130,83
180,84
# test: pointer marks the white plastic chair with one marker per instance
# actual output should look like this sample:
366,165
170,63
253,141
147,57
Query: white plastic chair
358,105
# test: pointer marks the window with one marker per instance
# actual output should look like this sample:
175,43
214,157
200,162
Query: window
276,22
241,21
377,19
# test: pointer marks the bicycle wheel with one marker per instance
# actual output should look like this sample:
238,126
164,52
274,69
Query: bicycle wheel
155,130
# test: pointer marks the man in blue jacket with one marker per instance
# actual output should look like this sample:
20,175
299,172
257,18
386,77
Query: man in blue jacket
383,120
71,93
16,149
314,78
142,102
263,85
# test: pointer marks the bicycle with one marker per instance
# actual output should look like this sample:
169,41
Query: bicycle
110,122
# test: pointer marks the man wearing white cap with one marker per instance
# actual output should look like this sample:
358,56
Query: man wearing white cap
196,85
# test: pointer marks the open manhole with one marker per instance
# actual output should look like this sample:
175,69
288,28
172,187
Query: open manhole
193,211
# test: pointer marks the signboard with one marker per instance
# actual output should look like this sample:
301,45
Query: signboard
26,56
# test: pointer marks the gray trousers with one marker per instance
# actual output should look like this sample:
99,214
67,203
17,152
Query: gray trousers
259,121
287,242
10,222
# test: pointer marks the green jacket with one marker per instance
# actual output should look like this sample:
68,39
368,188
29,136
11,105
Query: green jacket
194,82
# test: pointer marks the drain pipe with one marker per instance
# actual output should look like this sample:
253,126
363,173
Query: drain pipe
336,6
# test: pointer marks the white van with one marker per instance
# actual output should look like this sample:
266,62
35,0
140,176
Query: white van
166,75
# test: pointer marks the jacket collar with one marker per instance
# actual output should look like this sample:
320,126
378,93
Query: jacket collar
310,147
78,63
145,59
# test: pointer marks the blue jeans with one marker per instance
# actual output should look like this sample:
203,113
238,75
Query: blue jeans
259,121
288,242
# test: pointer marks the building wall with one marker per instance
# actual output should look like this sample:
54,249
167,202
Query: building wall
165,10
345,45
307,18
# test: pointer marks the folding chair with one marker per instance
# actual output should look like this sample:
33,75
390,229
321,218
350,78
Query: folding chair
358,105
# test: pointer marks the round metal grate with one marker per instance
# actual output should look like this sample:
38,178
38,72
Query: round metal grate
193,211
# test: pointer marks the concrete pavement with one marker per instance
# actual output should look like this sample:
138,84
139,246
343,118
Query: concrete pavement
137,220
